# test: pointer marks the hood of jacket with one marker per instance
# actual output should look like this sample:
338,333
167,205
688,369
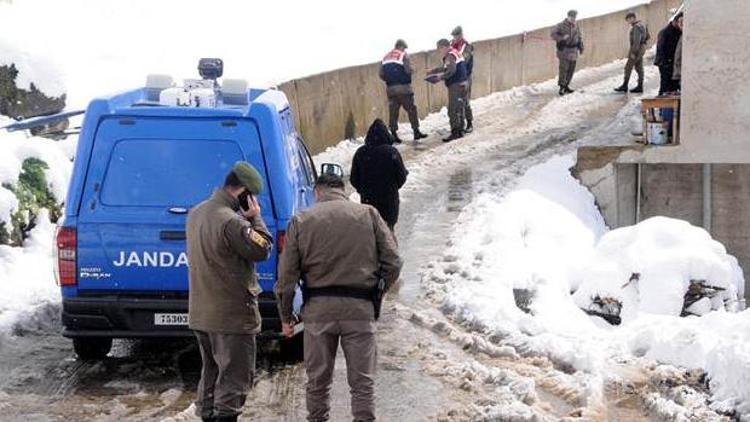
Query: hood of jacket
378,134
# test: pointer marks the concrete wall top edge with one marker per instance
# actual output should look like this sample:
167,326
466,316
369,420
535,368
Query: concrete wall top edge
333,105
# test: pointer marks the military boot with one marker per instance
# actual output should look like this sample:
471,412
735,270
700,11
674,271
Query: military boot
622,88
638,89
568,90
562,91
419,135
455,134
469,126
396,139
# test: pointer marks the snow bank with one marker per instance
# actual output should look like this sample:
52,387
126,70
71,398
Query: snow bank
26,279
540,233
546,236
341,153
661,256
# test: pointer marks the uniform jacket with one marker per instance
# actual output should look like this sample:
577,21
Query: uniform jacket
396,71
639,38
223,248
568,47
378,173
336,242
666,45
453,69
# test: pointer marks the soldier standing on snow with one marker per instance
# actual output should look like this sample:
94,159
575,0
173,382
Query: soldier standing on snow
396,71
345,254
569,41
467,50
226,236
454,73
639,38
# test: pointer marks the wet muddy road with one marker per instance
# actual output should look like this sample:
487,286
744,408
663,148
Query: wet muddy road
429,368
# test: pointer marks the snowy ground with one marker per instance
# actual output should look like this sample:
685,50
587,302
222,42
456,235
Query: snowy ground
480,216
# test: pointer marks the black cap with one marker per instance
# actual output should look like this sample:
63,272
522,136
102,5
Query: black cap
572,13
457,31
401,44
330,180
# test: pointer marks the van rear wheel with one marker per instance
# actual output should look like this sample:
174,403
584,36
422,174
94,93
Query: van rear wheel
92,348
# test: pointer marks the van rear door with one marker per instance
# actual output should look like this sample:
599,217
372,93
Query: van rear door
145,174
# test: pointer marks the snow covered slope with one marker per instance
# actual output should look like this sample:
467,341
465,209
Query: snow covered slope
547,236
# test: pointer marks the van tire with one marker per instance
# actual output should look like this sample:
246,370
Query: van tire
92,348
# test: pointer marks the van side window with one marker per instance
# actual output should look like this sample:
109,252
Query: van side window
306,161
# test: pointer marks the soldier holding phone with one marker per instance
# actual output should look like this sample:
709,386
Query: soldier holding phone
226,236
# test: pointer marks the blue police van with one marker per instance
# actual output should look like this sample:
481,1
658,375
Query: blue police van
144,158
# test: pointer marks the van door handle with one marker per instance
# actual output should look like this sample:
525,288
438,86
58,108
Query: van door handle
172,235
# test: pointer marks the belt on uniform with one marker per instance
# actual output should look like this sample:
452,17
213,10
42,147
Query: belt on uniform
373,294
340,291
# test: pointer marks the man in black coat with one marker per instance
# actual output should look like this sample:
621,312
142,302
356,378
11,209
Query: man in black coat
666,46
378,172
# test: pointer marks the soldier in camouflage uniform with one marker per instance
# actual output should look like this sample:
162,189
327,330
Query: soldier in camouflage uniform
569,41
639,38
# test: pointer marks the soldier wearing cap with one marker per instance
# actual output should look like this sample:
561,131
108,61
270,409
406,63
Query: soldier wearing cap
467,50
454,73
226,236
396,71
344,252
569,41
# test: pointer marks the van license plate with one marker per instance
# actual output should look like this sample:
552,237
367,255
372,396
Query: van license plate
170,319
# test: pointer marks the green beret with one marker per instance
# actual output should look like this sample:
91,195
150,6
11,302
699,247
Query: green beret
249,177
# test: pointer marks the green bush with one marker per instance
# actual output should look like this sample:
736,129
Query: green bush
33,194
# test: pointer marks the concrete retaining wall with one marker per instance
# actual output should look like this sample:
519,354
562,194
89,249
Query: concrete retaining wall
342,103
675,190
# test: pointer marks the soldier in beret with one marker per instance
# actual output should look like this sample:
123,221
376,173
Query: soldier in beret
226,236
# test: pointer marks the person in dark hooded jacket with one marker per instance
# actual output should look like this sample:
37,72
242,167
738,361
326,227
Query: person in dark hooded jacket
378,172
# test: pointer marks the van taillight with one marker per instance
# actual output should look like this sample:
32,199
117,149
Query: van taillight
65,248
280,241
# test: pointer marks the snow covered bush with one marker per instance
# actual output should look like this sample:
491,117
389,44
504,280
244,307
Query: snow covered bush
32,195
34,175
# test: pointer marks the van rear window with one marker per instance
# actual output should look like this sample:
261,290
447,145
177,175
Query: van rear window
165,173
